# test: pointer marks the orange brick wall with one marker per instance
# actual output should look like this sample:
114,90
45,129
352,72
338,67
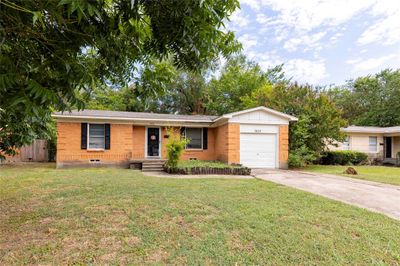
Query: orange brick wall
227,143
128,142
138,141
283,146
69,145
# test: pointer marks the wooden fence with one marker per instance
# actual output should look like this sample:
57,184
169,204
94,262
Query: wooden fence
36,152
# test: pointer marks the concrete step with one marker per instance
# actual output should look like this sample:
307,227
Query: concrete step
153,169
152,166
153,163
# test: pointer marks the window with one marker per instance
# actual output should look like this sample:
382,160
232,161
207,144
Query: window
346,143
96,136
373,144
195,136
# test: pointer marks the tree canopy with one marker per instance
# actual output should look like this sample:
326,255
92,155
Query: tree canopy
373,100
240,84
52,51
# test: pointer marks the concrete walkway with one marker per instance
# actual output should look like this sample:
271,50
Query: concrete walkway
373,196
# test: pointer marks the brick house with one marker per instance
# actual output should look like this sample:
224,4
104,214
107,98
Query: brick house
256,138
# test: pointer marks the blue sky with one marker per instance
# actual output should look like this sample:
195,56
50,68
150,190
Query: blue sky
321,42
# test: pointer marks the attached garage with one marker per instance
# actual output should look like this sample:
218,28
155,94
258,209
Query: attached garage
263,137
259,146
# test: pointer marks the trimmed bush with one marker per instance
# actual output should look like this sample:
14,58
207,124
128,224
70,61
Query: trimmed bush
175,147
301,157
343,157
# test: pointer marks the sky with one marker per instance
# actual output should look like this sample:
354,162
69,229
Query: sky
320,42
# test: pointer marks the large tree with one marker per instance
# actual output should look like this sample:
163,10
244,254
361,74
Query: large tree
52,50
373,100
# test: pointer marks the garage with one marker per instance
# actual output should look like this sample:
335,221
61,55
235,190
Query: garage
258,146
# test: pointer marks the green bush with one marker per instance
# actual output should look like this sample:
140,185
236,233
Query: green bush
343,158
301,157
175,147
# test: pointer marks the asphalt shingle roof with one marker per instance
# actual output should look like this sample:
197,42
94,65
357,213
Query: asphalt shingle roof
136,115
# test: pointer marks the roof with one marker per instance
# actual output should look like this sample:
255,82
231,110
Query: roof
134,116
375,130
142,116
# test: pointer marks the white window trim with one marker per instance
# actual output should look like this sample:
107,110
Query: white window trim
202,140
376,144
88,138
348,144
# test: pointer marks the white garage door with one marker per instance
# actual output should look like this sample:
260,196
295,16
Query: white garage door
258,150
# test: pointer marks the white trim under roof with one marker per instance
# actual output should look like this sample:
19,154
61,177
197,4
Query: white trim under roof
211,122
371,130
129,119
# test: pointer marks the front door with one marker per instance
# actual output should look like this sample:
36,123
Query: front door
153,142
388,147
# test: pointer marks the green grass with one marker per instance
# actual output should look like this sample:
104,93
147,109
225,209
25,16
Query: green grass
200,163
383,174
119,216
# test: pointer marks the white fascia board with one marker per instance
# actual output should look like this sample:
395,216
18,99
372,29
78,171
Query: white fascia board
127,119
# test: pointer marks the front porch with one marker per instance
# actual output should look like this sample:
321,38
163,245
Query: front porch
391,150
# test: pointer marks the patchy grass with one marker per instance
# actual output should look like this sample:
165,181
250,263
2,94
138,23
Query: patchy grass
383,174
200,163
118,216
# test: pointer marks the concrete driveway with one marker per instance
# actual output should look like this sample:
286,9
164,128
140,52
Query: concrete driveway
373,196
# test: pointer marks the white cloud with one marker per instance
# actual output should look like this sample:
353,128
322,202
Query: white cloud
308,15
261,18
306,71
248,41
360,65
310,41
266,60
254,4
333,39
386,30
238,19
302,70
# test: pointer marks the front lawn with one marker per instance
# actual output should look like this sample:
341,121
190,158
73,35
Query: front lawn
119,216
383,174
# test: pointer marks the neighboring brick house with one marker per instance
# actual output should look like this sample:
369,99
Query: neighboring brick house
255,137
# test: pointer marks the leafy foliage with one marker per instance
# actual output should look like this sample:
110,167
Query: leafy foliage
243,84
301,157
371,100
343,157
53,51
175,147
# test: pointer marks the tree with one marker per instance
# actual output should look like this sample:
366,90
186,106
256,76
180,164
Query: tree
239,78
52,51
371,100
319,118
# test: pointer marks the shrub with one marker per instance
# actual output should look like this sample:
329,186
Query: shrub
175,147
301,157
343,157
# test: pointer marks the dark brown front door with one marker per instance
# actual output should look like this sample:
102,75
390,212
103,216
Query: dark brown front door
388,147
153,141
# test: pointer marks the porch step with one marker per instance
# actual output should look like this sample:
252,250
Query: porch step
153,165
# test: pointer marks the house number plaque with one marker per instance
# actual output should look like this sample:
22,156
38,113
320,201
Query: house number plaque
257,130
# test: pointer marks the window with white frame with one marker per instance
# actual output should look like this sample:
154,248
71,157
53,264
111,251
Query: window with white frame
346,143
373,144
195,137
96,136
